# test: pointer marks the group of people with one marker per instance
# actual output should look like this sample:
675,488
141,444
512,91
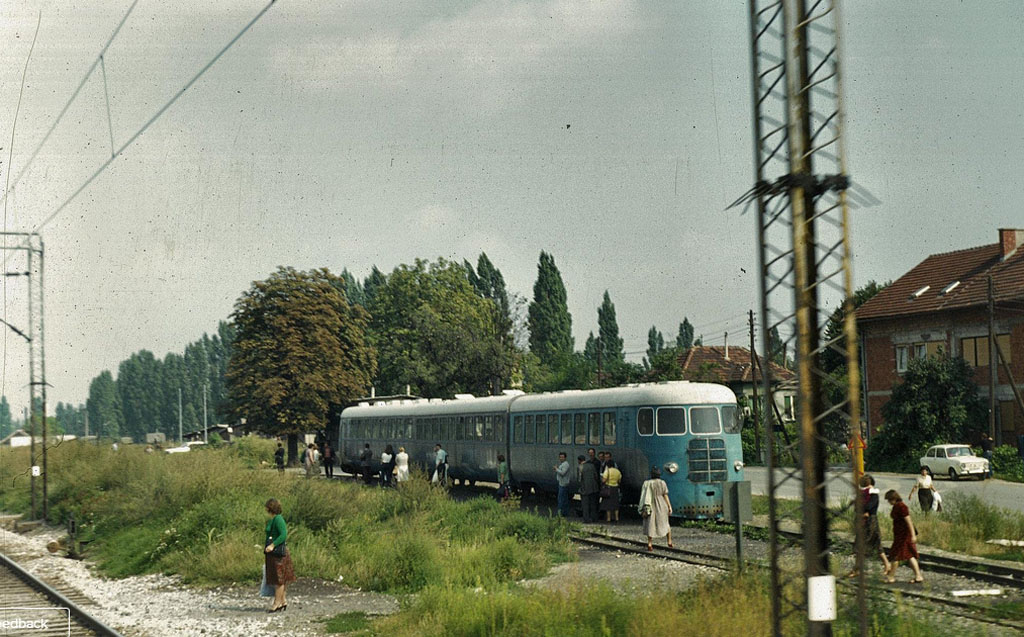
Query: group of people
313,456
598,478
394,467
904,540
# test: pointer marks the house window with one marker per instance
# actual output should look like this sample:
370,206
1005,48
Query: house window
902,355
920,350
975,350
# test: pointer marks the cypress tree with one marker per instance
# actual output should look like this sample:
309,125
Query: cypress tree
608,329
549,319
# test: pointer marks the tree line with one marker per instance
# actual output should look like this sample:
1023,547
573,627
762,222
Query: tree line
299,345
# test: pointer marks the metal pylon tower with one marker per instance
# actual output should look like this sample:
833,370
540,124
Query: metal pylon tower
804,259
31,243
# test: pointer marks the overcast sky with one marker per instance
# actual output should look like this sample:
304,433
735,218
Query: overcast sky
348,134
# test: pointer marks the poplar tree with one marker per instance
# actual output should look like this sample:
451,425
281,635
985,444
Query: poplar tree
684,340
104,406
655,344
608,332
549,320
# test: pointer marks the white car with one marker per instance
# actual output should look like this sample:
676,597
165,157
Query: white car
954,461
181,449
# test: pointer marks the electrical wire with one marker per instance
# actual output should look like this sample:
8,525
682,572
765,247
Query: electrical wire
151,120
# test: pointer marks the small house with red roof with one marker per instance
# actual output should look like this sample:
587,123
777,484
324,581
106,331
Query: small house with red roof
732,366
941,307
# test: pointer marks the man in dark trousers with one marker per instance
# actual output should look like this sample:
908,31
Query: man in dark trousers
365,459
590,489
986,452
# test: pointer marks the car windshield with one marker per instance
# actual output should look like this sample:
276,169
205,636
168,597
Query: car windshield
957,452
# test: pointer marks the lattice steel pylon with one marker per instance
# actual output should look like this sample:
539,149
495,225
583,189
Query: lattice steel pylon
804,256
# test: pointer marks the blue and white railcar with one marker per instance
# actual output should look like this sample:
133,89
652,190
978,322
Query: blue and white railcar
691,431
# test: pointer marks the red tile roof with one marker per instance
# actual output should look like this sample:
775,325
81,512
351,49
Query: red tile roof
971,267
709,364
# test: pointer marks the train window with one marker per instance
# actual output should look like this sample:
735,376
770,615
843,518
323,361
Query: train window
732,420
609,428
479,433
579,422
645,422
566,429
671,421
704,420
407,431
594,425
528,438
517,429
460,428
499,428
542,428
488,428
552,429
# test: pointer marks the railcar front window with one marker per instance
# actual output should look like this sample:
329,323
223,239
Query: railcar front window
671,421
704,420
609,428
732,420
645,422
566,429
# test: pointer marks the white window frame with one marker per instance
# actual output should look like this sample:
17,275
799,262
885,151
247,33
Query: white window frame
901,364
689,421
686,421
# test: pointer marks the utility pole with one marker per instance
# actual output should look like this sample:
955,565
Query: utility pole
32,458
993,373
180,438
86,423
753,381
206,386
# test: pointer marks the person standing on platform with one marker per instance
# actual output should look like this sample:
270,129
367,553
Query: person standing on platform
365,462
401,465
440,465
387,468
310,460
655,508
610,491
328,460
503,479
872,534
904,539
564,478
590,488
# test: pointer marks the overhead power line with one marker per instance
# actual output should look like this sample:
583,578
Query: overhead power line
151,120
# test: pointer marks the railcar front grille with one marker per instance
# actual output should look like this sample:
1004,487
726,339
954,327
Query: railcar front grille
707,461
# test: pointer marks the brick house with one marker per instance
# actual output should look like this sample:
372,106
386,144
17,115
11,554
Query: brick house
941,307
731,366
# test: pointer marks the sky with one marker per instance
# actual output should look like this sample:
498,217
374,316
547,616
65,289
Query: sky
350,134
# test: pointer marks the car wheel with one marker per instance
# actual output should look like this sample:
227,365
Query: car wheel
952,473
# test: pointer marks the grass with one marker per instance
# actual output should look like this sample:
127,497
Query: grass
200,515
353,622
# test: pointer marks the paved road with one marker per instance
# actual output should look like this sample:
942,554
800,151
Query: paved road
1008,495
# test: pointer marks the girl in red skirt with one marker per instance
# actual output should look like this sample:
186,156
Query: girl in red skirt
904,538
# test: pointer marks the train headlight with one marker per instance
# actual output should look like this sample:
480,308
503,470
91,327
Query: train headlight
737,466
671,467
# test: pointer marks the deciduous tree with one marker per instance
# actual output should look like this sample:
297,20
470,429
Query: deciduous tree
299,348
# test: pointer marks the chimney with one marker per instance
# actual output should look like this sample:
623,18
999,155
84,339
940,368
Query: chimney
727,346
1009,240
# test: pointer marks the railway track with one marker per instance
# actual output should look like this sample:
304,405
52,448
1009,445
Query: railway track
29,606
1004,576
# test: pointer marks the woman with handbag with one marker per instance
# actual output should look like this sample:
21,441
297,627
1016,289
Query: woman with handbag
610,479
278,561
655,508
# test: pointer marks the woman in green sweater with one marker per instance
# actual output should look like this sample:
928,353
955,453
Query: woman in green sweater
279,567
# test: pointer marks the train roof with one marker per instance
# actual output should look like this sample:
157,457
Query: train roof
664,393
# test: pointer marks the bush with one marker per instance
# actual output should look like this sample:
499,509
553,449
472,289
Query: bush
1007,463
